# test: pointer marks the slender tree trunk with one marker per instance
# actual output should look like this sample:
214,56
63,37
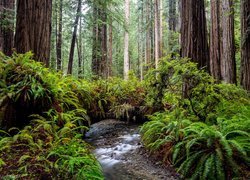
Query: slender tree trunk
59,38
79,50
148,32
245,45
157,33
7,26
215,40
161,28
110,48
141,42
33,28
73,41
193,32
228,65
95,46
126,41
104,49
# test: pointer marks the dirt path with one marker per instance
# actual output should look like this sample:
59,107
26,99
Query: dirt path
121,154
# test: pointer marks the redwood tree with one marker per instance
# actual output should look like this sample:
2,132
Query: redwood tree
228,65
99,48
245,44
215,40
33,28
193,32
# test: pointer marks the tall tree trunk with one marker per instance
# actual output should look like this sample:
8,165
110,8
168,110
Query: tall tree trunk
161,28
33,28
95,43
59,38
104,48
79,50
193,32
228,65
73,41
148,32
157,33
7,26
193,36
110,48
215,40
126,41
245,45
99,48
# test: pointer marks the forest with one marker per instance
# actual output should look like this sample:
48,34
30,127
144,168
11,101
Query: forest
125,89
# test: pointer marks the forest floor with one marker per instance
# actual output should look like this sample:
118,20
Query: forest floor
121,154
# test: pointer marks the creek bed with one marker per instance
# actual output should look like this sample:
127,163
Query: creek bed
119,150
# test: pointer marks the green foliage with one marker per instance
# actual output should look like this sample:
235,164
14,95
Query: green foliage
48,109
28,88
203,127
43,149
117,98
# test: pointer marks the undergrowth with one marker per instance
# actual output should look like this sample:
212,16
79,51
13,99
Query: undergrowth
43,116
202,128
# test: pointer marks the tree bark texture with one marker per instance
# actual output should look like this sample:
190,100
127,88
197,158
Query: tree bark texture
215,40
99,49
126,41
110,48
228,65
33,28
59,38
193,32
157,33
245,45
7,26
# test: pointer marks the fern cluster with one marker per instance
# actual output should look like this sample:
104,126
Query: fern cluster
45,150
204,131
117,98
44,117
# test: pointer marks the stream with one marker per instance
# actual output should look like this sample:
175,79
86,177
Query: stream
122,156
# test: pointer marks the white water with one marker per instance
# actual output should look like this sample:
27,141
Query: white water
111,155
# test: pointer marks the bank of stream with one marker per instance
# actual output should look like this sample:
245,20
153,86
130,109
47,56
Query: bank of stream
119,150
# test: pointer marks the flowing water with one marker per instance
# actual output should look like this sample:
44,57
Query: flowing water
119,150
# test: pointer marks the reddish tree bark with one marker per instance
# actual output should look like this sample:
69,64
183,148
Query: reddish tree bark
245,45
33,28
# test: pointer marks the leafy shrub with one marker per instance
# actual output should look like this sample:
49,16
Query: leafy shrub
167,88
113,96
27,88
48,109
202,127
45,150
